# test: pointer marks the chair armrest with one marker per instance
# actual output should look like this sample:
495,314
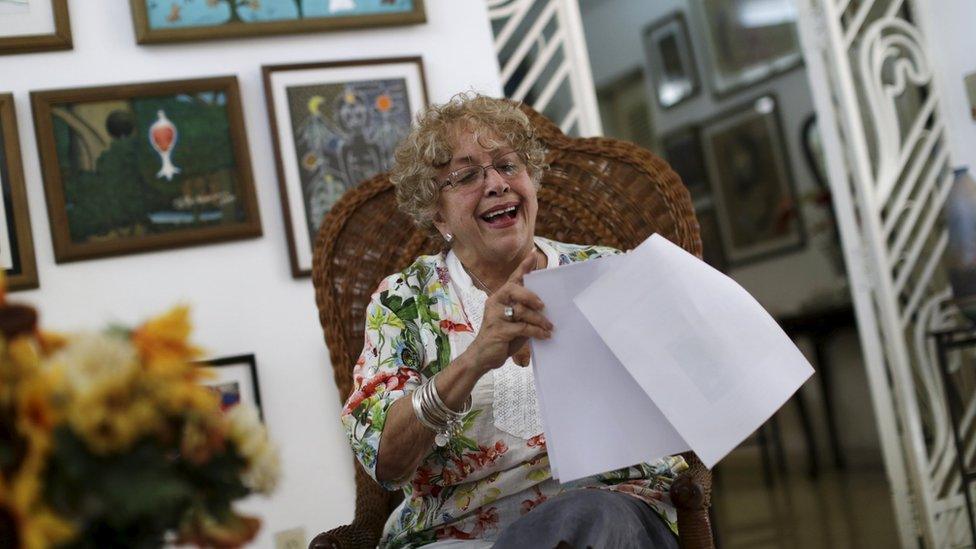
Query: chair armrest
350,536
691,495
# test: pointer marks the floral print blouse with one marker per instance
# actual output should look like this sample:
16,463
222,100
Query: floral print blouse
487,478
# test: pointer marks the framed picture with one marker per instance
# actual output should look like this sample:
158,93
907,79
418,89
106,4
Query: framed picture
142,167
188,20
670,60
971,93
235,379
335,125
711,238
626,111
748,40
755,202
683,151
16,244
34,25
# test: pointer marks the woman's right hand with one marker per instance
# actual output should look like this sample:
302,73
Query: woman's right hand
499,337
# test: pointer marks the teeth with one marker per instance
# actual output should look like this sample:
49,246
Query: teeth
493,215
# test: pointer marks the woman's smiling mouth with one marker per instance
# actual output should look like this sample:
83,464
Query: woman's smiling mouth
501,216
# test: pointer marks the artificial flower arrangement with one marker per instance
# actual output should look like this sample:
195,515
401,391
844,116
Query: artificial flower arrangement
109,439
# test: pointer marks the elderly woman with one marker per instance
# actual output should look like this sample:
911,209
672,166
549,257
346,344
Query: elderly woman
443,407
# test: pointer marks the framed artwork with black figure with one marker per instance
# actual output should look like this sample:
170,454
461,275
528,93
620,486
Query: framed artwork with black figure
335,125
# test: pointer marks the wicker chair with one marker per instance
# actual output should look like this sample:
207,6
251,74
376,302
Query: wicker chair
596,191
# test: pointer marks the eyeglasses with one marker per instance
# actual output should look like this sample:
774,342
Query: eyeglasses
509,166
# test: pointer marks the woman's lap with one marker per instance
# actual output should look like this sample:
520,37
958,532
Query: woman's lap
590,518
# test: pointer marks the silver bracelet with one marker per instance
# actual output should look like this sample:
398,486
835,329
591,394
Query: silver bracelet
437,416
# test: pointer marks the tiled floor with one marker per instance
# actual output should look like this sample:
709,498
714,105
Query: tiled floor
840,509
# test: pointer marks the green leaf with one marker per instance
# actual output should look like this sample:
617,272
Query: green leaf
468,420
392,320
468,443
443,350
391,302
408,311
377,415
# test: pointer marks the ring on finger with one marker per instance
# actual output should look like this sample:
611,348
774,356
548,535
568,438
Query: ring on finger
509,313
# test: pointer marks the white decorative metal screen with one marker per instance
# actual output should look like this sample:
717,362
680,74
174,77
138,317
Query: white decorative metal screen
884,134
543,59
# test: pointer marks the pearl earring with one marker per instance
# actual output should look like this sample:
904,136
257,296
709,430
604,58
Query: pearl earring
448,237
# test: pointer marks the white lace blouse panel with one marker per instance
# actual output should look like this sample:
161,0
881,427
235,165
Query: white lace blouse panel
515,407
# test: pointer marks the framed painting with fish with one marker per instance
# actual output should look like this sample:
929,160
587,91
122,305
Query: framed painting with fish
16,244
235,381
189,20
334,126
34,25
141,167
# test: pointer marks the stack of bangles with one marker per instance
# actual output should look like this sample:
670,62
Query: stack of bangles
435,415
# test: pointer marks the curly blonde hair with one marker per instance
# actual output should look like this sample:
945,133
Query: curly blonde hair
430,147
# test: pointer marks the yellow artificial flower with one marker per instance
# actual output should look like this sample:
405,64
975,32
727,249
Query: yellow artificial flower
37,415
184,397
51,342
24,357
165,338
34,525
202,437
113,417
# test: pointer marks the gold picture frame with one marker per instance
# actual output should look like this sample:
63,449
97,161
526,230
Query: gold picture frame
15,233
142,167
59,39
153,28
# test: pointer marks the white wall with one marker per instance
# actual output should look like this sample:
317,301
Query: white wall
948,25
244,299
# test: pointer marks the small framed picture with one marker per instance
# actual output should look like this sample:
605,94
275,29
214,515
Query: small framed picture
755,202
748,41
711,238
683,150
142,167
334,126
34,25
189,20
626,111
971,93
16,243
670,60
235,380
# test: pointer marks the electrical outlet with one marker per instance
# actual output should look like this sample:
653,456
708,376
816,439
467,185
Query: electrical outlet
290,539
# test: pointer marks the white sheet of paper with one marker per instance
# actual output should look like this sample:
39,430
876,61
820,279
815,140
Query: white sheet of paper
596,417
711,358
